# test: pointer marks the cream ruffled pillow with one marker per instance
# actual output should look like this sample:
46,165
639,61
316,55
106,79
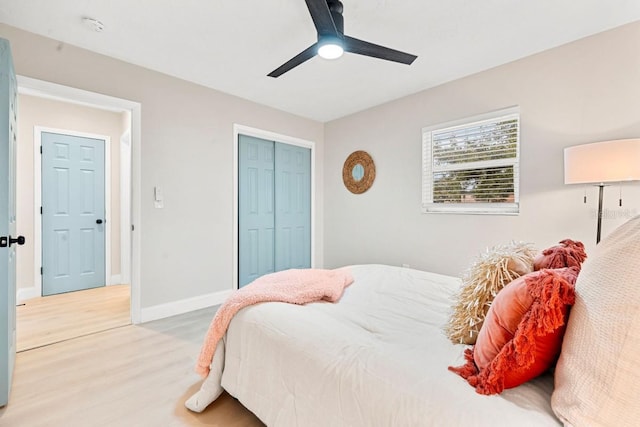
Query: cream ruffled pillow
492,271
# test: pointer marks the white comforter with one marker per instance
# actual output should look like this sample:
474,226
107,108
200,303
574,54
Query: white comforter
376,358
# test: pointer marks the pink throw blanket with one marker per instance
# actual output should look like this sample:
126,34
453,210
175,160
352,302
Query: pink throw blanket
290,286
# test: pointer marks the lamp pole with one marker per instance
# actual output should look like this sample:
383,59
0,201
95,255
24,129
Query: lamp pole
600,197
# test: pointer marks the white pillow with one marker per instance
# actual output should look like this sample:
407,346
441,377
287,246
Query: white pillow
597,378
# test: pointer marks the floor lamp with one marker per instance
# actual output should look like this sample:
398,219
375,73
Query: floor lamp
601,163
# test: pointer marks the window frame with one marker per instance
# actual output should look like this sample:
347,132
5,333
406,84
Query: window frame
497,208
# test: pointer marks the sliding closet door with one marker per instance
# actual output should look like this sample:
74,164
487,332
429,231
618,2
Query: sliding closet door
293,207
256,213
274,207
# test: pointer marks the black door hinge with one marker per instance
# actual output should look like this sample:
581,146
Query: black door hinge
41,271
41,149
40,210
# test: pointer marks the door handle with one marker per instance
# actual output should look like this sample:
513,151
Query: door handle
8,241
19,240
98,221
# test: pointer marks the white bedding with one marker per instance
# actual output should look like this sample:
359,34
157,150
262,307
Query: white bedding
376,358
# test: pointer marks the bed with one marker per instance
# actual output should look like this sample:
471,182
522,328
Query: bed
378,357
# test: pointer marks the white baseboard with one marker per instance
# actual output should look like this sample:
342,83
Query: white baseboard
183,306
24,294
116,280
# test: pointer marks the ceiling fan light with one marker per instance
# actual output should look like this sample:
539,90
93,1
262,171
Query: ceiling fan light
330,50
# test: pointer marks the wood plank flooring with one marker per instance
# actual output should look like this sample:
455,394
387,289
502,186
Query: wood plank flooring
136,375
46,320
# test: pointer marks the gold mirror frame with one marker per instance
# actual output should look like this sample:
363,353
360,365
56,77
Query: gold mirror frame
358,158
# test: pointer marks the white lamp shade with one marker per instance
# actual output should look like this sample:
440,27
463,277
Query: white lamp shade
600,162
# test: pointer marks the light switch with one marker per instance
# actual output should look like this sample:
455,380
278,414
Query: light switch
158,197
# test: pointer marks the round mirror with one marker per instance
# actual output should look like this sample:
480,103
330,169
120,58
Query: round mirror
358,172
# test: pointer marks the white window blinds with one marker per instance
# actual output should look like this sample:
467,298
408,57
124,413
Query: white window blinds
471,166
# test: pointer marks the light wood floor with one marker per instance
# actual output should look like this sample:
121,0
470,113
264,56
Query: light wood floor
46,320
136,375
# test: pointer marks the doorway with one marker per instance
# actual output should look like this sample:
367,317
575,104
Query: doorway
70,244
126,214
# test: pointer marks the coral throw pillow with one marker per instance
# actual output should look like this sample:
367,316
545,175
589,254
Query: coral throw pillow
522,334
568,253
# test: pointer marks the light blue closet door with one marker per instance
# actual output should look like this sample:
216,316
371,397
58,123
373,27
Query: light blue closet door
73,213
256,211
8,238
293,207
274,207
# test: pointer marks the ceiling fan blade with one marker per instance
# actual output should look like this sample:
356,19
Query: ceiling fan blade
321,15
369,49
303,56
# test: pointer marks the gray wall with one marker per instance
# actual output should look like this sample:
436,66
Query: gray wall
187,148
586,91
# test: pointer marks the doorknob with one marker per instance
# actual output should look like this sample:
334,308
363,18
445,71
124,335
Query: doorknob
19,240
98,221
8,241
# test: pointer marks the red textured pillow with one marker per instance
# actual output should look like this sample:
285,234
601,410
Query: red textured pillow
522,334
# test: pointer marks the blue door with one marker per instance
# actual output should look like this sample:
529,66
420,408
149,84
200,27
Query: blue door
8,239
274,207
256,213
73,213
293,207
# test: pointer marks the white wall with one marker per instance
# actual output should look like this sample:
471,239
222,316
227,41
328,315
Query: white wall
583,92
34,111
187,148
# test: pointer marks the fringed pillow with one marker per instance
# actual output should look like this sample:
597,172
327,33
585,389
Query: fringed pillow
568,253
522,335
491,271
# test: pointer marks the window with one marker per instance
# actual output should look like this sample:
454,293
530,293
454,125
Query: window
471,165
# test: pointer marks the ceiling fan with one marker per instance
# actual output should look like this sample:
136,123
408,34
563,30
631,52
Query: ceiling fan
329,23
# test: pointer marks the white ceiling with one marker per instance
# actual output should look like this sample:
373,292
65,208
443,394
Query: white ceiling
231,45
